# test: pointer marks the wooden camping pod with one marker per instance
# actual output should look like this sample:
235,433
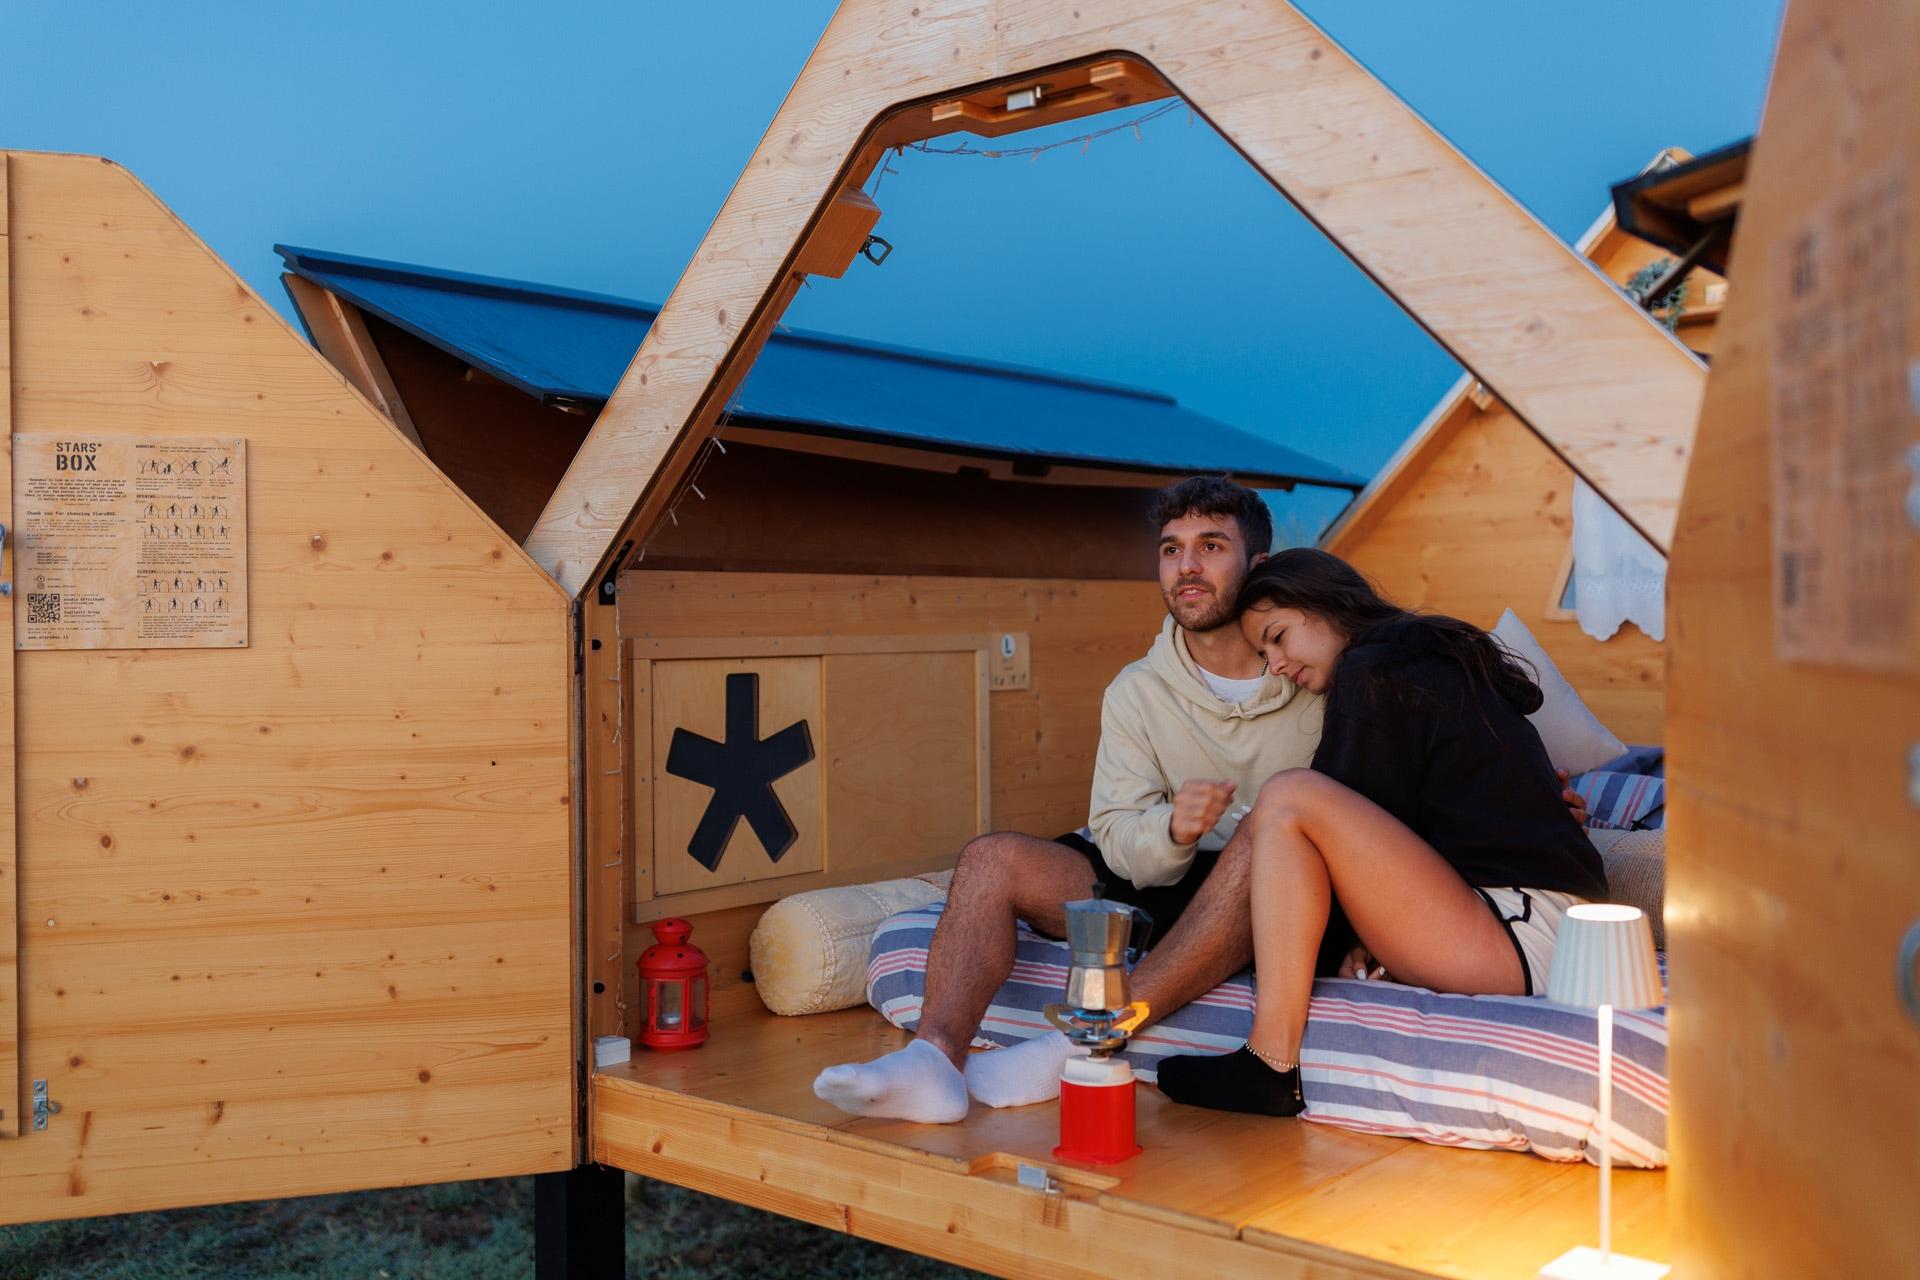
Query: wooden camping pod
295,917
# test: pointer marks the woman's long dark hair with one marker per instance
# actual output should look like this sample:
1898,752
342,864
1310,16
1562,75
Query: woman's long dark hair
1323,584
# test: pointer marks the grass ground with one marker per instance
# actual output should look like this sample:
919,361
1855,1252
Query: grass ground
455,1231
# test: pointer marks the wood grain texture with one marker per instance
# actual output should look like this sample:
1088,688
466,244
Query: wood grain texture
299,913
900,778
1791,836
1043,737
1492,284
1477,517
341,333
13,1093
1213,1193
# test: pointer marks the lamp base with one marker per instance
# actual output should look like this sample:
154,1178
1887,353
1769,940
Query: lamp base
1583,1263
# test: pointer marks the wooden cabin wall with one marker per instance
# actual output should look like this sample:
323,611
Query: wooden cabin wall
298,914
1481,520
1043,737
1794,779
771,510
1486,526
505,450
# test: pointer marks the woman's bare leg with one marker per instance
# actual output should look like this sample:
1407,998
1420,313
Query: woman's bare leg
1313,839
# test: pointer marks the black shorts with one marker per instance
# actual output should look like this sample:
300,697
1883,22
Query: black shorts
1163,902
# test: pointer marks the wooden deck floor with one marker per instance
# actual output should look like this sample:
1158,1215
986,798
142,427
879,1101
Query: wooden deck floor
738,1117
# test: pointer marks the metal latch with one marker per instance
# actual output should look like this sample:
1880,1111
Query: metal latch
43,1106
1035,1178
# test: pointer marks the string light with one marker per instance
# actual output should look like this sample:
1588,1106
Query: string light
1033,153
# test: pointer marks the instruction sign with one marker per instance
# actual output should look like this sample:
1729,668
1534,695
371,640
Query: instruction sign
129,543
1843,428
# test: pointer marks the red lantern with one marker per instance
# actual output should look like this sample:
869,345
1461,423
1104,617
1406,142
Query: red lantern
673,988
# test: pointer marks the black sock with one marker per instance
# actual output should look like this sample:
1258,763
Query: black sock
1237,1081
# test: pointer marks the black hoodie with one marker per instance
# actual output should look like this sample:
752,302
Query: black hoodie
1411,729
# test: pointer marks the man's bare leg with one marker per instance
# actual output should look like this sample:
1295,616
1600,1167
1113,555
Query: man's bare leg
1001,878
1210,942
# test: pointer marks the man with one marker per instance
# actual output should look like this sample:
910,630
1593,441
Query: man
1183,731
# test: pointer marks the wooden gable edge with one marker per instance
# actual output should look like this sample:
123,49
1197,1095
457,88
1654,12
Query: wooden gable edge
274,317
1444,421
1452,411
880,57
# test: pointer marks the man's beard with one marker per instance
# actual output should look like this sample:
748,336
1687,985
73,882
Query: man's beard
1206,613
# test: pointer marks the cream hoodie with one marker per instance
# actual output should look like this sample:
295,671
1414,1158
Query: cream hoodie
1160,726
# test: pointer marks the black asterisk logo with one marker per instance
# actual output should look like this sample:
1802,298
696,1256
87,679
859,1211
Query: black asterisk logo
741,771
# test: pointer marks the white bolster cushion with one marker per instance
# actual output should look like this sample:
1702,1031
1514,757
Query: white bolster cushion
809,951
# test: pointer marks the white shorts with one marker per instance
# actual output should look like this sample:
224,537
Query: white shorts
1532,921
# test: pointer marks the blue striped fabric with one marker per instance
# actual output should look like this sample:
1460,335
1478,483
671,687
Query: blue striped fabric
1623,801
1503,1072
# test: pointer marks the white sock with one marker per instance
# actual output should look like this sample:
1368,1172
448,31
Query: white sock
916,1083
1022,1073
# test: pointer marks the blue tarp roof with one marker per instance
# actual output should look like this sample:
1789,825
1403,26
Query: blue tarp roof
569,346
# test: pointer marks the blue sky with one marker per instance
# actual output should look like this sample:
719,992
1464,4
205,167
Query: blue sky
589,144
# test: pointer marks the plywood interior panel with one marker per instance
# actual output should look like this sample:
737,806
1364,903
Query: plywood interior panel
1792,826
1040,744
300,913
1213,1193
895,780
1043,737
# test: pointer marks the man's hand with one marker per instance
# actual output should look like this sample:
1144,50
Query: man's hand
1574,800
1197,806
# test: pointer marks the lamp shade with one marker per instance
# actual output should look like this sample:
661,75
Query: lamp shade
1604,955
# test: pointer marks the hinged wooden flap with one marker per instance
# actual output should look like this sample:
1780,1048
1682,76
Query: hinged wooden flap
1499,290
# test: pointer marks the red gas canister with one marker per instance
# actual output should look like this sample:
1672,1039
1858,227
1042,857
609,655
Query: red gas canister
673,987
1096,1111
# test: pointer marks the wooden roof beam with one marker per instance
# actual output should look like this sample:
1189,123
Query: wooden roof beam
1499,290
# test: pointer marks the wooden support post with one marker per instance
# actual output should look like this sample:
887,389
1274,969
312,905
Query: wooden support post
580,1224
340,332
11,1093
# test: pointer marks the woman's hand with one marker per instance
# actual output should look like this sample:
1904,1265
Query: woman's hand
1361,964
1197,806
1573,799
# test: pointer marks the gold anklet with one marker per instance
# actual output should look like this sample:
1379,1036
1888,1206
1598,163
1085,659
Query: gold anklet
1281,1067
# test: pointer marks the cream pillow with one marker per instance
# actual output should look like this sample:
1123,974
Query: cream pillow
1575,741
809,951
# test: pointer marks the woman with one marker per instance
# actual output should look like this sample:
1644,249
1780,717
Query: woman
1430,813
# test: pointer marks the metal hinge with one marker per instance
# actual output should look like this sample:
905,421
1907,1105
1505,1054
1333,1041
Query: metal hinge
43,1106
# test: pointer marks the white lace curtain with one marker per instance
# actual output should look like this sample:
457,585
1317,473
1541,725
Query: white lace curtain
1618,576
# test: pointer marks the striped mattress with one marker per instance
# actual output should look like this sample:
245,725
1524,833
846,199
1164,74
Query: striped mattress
1509,1073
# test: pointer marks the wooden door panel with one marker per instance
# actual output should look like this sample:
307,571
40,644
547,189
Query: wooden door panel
300,911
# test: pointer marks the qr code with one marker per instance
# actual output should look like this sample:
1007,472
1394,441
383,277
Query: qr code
43,606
